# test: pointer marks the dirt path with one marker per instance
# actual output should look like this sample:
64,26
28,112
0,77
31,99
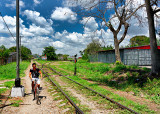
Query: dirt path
48,106
3,81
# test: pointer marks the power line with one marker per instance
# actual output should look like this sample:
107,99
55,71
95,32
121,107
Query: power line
7,26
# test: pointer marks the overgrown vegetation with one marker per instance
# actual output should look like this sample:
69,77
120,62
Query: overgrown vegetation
50,53
9,71
25,52
121,77
16,102
135,106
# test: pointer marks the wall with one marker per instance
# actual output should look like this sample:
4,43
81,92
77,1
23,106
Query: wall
141,57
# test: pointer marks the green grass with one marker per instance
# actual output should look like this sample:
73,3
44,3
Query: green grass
103,103
9,84
16,103
9,71
2,90
43,61
135,106
121,77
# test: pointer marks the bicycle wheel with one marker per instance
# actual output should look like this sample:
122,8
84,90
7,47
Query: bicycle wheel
34,94
37,96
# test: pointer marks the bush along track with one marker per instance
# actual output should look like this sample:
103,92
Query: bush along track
135,106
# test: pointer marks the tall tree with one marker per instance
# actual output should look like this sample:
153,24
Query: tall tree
123,11
25,52
139,41
93,47
155,53
4,52
50,53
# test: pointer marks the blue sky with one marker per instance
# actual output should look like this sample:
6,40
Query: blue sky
54,23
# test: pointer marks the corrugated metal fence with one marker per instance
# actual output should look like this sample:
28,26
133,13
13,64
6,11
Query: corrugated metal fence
141,57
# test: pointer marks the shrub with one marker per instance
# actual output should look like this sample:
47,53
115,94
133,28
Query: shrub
118,63
119,67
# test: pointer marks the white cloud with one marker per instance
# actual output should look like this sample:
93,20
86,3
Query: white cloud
64,14
40,26
34,30
13,4
35,17
11,22
35,37
57,44
36,2
90,24
87,4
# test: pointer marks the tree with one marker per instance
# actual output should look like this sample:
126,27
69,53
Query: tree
93,47
4,52
123,11
50,53
108,47
25,52
155,53
81,53
139,41
65,57
12,49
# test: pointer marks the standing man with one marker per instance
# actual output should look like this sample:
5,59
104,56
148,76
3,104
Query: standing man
35,72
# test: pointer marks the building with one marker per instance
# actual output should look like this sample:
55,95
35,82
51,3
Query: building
140,55
12,57
44,57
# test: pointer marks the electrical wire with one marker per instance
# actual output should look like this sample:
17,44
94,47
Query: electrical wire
7,27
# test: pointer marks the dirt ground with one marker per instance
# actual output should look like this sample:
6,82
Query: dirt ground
48,106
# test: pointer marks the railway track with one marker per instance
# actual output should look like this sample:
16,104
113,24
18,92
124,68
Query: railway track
77,109
111,100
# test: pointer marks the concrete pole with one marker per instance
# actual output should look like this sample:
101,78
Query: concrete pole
17,37
20,48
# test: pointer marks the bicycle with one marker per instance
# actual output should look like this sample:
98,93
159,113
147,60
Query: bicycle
36,92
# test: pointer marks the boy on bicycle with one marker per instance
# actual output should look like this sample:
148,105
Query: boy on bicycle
35,72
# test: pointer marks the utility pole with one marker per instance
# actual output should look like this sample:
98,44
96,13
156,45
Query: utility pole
20,48
18,89
75,68
17,42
